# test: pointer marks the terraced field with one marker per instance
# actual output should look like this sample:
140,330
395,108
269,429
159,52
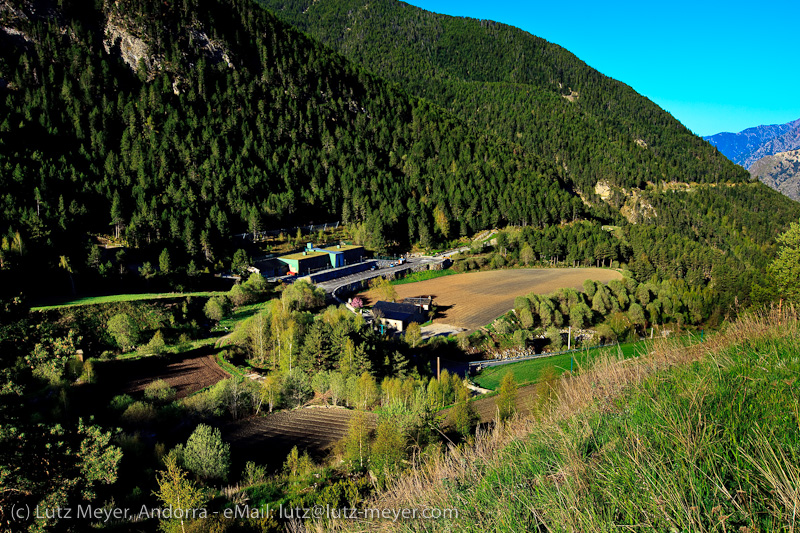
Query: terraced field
271,437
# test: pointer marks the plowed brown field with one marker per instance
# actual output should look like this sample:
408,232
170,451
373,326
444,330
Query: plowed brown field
475,299
271,437
186,374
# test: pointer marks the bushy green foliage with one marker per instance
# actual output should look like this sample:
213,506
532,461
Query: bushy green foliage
217,308
50,358
159,392
206,454
296,387
786,267
125,330
464,414
507,398
120,402
301,295
58,466
155,346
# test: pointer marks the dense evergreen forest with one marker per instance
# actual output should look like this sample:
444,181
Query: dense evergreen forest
169,128
519,86
718,229
229,121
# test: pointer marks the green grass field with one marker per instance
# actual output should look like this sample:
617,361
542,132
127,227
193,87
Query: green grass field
424,275
530,371
113,298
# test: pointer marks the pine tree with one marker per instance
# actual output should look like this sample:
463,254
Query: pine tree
164,262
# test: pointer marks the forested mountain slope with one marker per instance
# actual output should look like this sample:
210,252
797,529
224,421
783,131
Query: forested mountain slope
686,211
177,124
524,88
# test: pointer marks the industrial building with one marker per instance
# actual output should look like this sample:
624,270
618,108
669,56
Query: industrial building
314,259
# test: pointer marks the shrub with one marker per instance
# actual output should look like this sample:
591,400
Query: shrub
206,455
120,402
556,341
464,414
254,474
217,308
139,414
506,400
159,391
156,345
124,330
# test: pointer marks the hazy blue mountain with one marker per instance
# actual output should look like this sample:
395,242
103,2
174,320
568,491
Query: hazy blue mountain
747,146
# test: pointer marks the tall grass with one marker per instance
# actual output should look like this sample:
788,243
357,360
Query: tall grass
703,437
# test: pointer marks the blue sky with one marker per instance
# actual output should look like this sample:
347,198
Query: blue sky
715,66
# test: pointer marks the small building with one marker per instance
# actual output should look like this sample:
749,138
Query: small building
397,316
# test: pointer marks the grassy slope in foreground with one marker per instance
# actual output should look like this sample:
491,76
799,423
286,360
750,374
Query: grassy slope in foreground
683,439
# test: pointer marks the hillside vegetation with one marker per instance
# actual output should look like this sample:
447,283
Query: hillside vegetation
703,438
679,202
521,87
177,125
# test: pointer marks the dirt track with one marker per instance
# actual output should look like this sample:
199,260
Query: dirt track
475,299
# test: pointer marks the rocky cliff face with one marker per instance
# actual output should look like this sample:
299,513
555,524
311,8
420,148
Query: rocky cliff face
780,171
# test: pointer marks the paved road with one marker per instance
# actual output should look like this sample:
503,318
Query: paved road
331,285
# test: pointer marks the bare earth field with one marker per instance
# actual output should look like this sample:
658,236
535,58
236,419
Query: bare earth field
271,437
186,374
475,299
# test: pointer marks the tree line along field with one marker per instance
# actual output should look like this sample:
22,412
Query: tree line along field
475,299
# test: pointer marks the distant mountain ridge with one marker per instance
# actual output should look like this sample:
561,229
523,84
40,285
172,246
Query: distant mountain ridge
748,146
